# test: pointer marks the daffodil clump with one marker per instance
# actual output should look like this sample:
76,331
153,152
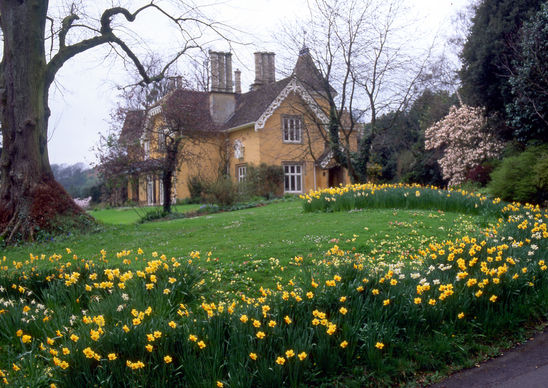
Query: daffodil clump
84,322
400,196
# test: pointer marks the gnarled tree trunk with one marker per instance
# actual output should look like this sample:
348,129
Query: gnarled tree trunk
30,198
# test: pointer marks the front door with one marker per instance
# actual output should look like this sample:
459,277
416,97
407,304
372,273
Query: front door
336,176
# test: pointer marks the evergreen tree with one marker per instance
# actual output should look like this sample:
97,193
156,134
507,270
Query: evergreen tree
488,53
528,111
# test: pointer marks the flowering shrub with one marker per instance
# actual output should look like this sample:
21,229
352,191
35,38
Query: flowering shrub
465,142
78,321
83,202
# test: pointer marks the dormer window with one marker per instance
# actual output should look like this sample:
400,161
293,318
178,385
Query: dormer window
292,129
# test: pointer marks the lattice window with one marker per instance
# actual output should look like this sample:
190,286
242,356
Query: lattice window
292,129
293,178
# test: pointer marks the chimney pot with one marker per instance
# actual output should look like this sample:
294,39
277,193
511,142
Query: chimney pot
264,69
221,72
238,81
214,63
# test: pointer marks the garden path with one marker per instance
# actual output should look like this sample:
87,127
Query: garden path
525,366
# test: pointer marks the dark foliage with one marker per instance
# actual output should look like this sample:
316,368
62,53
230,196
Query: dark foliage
264,181
488,52
398,146
528,110
480,174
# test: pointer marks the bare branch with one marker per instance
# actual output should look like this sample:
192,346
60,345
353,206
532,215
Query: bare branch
65,27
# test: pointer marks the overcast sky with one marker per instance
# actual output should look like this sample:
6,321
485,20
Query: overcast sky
85,92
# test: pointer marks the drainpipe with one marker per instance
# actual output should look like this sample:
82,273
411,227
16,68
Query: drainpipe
314,166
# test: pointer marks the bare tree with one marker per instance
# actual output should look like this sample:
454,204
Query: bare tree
35,47
369,66
186,122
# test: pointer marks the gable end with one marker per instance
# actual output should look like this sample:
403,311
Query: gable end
293,86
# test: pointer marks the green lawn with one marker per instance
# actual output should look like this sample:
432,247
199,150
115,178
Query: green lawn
130,215
412,308
244,241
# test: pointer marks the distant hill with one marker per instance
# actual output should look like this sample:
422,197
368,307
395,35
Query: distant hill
78,179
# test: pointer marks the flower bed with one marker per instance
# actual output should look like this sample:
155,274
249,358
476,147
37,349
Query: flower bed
346,316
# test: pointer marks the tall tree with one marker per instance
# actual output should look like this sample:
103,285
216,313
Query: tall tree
528,110
36,46
487,53
369,67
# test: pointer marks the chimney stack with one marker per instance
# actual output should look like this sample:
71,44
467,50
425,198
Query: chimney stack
238,81
265,71
221,72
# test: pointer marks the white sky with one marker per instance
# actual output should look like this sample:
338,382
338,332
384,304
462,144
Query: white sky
85,93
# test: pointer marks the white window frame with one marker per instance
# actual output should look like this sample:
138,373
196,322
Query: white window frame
150,190
293,178
242,172
292,129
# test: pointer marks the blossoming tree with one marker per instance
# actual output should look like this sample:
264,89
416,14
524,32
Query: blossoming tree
465,142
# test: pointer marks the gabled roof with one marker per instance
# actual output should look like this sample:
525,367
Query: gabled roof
251,105
255,106
308,74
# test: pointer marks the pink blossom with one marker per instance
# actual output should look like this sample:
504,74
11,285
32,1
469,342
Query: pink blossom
465,142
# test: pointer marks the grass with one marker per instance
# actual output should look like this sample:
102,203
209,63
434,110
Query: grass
369,297
245,240
131,215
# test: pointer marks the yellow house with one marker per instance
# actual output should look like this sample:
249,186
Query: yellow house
281,123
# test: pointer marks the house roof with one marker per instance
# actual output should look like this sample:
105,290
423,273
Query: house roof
249,107
132,128
195,105
308,74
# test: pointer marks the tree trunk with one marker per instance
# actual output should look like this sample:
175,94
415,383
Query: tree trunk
167,174
30,198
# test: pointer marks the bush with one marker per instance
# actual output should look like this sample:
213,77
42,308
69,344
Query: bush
223,191
263,181
480,174
196,187
465,142
522,178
